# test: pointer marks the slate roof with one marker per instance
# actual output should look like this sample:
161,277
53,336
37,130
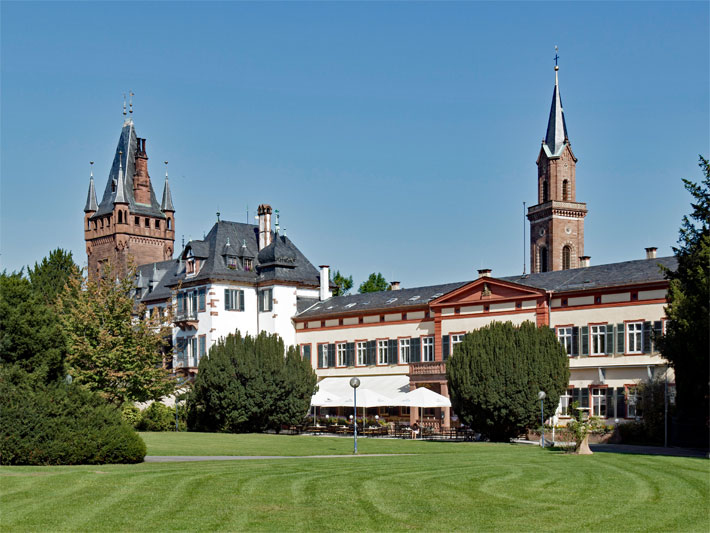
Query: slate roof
149,280
125,160
599,276
579,279
381,301
91,204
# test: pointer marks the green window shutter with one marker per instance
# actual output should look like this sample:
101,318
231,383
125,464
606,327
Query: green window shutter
226,299
307,353
371,348
647,337
585,340
585,397
350,354
575,340
331,355
201,298
241,300
620,402
620,338
392,355
610,402
657,332
319,350
415,350
609,339
445,347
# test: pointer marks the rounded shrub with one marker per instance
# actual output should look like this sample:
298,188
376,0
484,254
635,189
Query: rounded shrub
60,424
157,417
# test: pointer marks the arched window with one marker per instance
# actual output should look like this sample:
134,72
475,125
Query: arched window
544,191
566,258
157,224
120,217
565,190
543,258
169,223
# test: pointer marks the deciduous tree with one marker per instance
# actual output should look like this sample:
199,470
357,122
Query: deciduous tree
495,375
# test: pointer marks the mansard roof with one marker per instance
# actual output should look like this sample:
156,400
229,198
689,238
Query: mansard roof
611,275
124,162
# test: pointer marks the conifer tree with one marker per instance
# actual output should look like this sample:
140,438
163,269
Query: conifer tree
495,375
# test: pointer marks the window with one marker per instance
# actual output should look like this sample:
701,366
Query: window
427,349
566,258
194,358
565,400
456,339
247,264
137,221
599,402
192,295
598,338
232,261
157,224
120,217
565,190
147,223
362,353
544,191
341,354
306,352
233,300
202,345
634,337
404,350
169,223
266,300
568,339
543,258
201,299
631,401
382,352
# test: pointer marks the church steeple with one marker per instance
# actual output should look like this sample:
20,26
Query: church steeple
120,197
91,204
556,127
557,220
167,203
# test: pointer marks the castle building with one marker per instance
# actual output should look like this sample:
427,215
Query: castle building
128,225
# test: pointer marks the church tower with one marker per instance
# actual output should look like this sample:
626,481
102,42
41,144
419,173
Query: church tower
128,225
557,220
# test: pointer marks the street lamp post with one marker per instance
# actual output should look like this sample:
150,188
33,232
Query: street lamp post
355,383
541,396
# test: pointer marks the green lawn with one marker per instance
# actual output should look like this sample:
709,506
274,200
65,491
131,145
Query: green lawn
446,486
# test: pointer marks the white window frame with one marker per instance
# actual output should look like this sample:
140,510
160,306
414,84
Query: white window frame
598,399
564,335
340,354
456,338
405,350
382,352
597,339
194,355
266,300
235,297
361,353
428,349
634,337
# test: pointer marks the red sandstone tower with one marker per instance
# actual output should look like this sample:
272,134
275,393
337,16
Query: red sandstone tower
129,224
557,221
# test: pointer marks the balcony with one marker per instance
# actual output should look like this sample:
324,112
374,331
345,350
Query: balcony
429,370
186,319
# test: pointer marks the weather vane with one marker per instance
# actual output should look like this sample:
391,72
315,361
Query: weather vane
556,56
124,104
131,94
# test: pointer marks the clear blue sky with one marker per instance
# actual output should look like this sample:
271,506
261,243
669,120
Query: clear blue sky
393,137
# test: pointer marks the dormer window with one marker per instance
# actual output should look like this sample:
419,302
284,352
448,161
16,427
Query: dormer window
232,261
191,264
247,264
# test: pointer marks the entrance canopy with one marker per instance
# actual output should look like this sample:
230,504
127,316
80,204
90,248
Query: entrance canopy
374,391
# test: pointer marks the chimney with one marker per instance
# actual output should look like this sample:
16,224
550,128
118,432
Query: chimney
141,179
651,252
584,261
484,273
264,215
324,282
394,286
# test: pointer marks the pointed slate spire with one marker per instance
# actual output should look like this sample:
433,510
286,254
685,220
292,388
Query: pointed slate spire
120,197
91,204
167,203
556,126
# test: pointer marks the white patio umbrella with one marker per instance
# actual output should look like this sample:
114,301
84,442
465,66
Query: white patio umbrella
423,397
324,398
367,398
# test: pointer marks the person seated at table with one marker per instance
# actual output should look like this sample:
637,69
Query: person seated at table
415,430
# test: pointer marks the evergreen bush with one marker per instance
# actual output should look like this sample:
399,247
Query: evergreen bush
159,417
60,424
495,375
250,384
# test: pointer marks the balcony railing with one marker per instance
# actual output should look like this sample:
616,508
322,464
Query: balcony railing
428,368
183,316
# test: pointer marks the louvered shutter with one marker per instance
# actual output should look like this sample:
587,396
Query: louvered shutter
657,332
575,341
371,349
226,300
392,355
609,339
307,353
620,402
647,337
350,354
620,338
241,300
610,402
331,355
415,350
585,340
445,347
585,398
